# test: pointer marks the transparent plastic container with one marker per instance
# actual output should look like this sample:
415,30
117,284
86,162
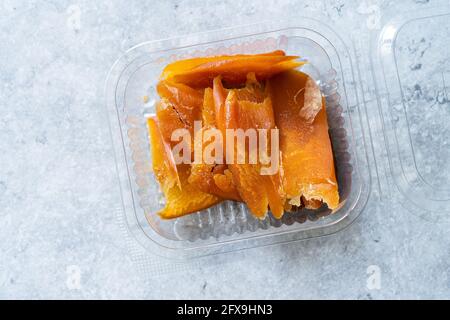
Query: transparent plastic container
375,140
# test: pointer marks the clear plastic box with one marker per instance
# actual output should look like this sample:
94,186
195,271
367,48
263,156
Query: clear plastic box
387,126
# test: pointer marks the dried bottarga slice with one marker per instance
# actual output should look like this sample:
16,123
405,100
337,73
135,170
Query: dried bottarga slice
307,158
313,101
181,197
169,120
258,191
208,113
164,166
213,178
187,102
200,72
180,106
188,199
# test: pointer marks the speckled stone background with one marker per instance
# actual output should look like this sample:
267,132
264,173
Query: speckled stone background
59,198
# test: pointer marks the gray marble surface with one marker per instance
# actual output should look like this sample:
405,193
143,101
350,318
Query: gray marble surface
59,198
